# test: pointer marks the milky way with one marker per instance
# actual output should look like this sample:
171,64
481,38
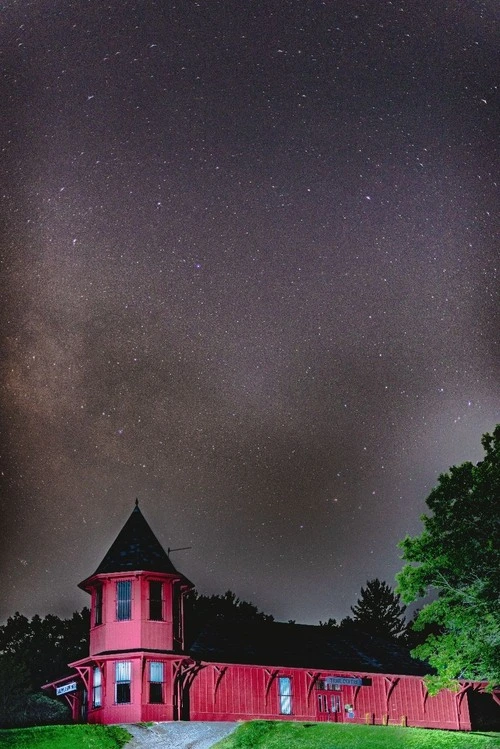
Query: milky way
249,275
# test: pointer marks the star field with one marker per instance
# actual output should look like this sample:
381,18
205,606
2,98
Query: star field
249,265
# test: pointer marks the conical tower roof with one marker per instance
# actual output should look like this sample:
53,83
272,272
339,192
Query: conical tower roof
136,548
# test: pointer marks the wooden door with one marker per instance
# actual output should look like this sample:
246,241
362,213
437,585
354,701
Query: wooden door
329,706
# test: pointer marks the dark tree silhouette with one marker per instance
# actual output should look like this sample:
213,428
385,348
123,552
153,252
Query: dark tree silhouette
330,623
14,689
378,611
201,611
45,646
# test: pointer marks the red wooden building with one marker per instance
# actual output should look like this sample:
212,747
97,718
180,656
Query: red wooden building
139,670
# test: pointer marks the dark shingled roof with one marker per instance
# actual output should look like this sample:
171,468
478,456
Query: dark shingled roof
303,646
136,548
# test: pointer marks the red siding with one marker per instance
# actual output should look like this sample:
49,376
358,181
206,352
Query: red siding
139,632
139,708
238,692
243,692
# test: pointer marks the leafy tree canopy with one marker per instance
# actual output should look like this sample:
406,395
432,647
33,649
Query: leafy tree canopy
457,558
45,646
378,611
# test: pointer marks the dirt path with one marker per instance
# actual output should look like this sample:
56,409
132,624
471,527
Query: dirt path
178,735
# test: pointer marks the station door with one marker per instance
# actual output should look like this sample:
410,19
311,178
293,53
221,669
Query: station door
329,706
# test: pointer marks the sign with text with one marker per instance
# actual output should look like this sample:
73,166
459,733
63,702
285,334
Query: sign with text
71,687
344,681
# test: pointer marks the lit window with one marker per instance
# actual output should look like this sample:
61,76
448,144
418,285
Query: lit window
123,600
98,606
156,601
285,695
156,682
97,688
122,682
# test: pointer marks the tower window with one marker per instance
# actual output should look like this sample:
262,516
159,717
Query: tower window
123,600
122,682
177,614
98,606
97,688
156,601
285,695
156,682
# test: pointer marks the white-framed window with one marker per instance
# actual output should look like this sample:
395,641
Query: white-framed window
123,672
285,694
156,682
123,600
97,687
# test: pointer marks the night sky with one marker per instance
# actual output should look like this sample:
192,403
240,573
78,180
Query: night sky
250,276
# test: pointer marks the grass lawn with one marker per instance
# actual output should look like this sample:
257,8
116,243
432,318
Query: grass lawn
280,735
64,737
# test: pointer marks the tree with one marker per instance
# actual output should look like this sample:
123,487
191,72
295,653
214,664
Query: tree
41,710
378,611
329,624
457,559
416,635
45,646
14,690
201,611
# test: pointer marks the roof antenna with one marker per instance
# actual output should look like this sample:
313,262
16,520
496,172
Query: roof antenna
181,548
136,502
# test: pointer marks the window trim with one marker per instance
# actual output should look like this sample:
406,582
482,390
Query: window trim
96,688
124,681
98,605
285,698
123,610
156,601
156,682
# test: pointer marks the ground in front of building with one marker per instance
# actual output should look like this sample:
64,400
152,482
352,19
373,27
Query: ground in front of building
64,737
178,735
274,734
251,735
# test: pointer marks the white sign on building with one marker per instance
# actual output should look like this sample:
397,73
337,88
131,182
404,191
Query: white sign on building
71,687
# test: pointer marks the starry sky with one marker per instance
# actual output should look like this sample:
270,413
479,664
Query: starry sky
249,275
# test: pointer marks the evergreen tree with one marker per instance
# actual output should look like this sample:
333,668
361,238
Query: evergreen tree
379,611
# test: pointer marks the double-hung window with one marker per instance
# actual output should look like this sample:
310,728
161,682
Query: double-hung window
156,600
285,695
123,600
156,682
97,687
98,606
122,682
